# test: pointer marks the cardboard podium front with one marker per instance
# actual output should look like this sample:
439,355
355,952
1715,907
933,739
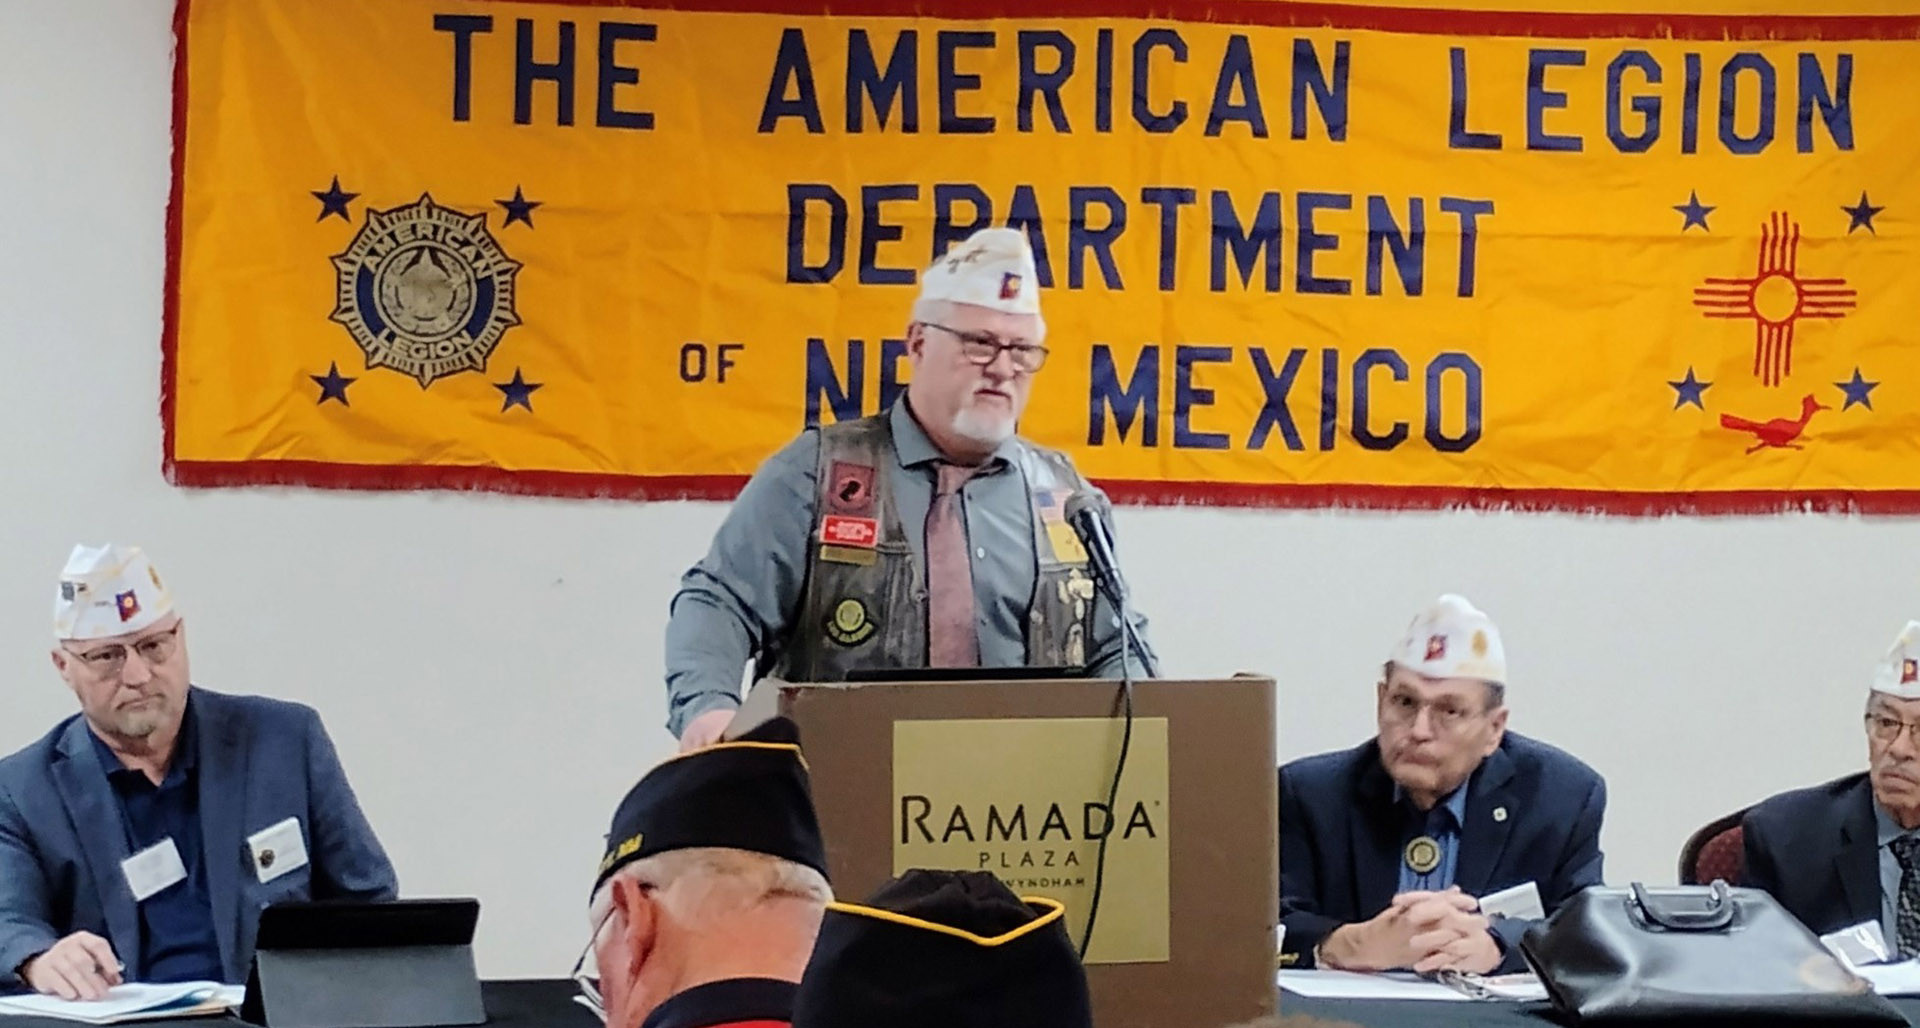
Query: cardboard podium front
1013,776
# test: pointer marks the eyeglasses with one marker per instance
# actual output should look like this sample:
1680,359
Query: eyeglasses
1445,716
107,661
589,980
983,349
1887,729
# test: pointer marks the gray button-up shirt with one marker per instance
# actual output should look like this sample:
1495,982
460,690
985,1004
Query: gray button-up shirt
743,595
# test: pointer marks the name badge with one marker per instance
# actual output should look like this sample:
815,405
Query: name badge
154,869
278,850
1521,901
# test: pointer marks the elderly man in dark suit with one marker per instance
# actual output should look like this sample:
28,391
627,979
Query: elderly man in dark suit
1385,848
1848,852
141,838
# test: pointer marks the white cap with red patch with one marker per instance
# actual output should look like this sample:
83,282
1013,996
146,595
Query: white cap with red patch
1899,674
1453,639
106,591
992,269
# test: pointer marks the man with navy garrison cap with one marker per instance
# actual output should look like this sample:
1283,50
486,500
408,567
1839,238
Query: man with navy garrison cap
711,891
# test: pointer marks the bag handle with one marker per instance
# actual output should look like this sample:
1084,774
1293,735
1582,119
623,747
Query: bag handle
1715,918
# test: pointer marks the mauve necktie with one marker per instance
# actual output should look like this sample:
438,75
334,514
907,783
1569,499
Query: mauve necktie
951,638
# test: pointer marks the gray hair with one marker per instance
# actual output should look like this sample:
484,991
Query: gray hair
706,883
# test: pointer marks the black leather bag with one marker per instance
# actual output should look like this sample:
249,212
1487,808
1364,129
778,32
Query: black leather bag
1693,951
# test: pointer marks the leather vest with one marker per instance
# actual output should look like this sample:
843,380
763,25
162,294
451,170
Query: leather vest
864,605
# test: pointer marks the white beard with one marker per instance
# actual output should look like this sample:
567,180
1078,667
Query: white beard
989,429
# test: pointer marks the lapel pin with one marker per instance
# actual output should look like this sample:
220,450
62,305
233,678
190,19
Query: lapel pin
1499,813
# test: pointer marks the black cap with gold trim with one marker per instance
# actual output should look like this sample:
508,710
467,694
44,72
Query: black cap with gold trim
944,949
750,793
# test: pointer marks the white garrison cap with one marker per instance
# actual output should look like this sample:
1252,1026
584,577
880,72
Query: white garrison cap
108,590
1453,639
992,269
1899,674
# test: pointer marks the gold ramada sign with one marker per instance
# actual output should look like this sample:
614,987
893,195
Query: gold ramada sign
1026,800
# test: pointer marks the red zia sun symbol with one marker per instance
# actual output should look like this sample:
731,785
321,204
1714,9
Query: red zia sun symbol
1775,298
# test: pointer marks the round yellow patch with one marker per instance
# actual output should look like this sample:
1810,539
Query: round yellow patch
1422,854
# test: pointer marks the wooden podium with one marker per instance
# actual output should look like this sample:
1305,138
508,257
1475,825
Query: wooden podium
1012,776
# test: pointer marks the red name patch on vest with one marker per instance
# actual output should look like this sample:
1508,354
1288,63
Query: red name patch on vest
840,530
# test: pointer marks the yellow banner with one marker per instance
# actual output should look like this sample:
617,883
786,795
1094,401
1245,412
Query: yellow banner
1291,254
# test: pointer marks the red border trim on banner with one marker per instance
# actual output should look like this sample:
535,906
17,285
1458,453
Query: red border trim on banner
1280,13
1307,14
584,485
170,303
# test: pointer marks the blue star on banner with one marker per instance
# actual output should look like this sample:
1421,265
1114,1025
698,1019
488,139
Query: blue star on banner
517,393
333,385
518,209
1861,216
1690,390
1858,391
333,201
1694,211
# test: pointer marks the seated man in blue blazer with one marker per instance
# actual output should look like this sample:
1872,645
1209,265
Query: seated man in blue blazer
1848,852
1385,847
141,838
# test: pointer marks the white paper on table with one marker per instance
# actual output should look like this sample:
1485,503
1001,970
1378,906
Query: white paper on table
130,1001
1902,979
1320,983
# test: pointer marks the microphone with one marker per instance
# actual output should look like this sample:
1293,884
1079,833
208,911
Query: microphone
1083,512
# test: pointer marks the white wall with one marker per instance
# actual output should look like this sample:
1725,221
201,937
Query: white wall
490,666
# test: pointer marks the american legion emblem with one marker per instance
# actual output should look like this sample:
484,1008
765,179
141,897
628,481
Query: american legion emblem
425,290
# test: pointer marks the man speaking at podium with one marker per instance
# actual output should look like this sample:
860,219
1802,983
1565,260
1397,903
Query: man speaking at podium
929,535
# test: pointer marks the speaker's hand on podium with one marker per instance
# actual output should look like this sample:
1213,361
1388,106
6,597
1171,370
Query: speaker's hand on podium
705,729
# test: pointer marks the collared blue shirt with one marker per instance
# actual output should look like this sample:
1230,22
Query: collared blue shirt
1442,824
177,938
1889,830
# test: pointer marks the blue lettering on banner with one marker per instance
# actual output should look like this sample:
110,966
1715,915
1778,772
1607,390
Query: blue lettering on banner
1137,403
792,73
896,88
1045,85
1540,99
1124,407
1143,48
527,71
953,82
1236,76
464,27
1187,396
606,113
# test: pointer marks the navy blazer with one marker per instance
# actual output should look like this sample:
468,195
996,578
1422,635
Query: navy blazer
261,761
1340,837
1817,851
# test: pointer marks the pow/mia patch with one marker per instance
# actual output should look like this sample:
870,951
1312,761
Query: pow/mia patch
849,624
851,488
425,290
